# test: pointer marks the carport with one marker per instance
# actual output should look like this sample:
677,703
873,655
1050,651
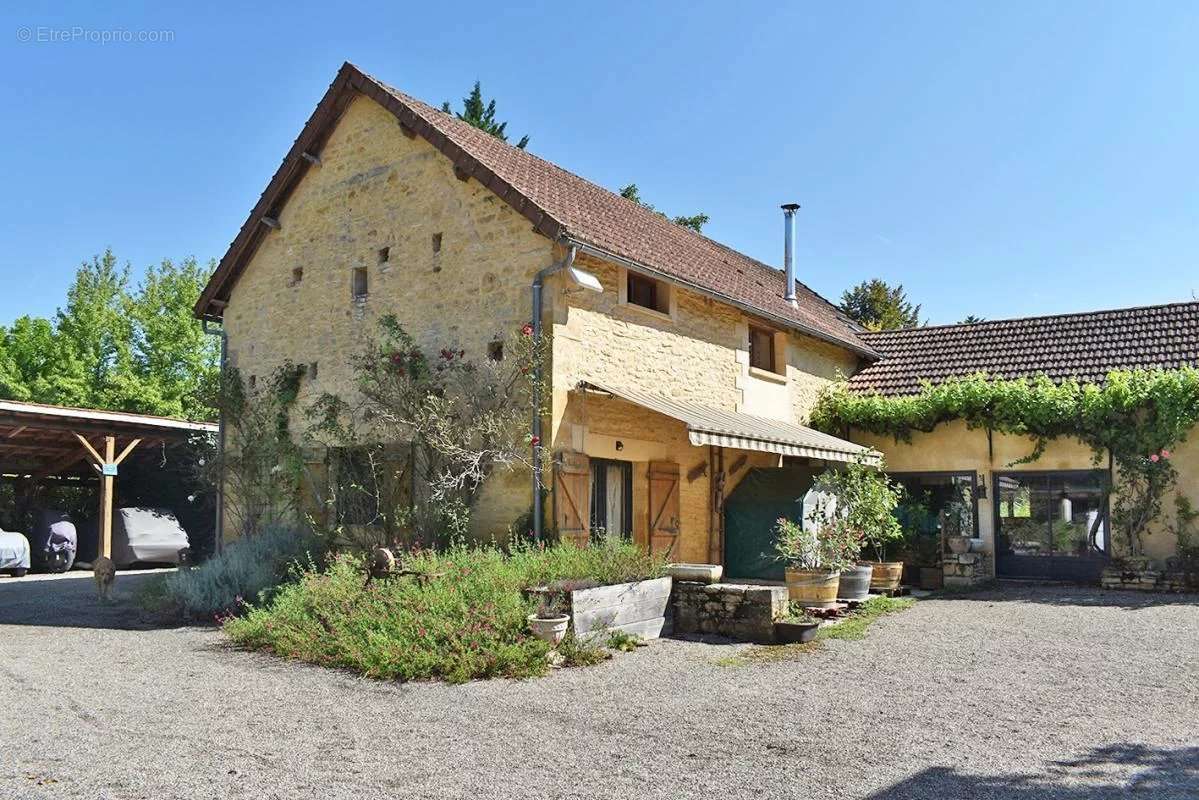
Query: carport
43,442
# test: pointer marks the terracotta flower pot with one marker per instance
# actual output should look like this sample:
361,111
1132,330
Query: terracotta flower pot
549,629
886,575
813,588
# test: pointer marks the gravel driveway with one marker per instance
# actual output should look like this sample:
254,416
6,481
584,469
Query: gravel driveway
1021,693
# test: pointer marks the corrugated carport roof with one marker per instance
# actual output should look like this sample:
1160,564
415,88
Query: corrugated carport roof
40,440
732,429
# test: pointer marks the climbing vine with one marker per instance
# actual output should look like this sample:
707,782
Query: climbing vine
1137,416
260,466
463,417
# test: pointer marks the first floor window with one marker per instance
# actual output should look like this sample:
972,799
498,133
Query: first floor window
611,499
761,349
644,291
358,283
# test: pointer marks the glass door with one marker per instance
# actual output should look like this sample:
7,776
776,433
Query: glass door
611,499
1051,525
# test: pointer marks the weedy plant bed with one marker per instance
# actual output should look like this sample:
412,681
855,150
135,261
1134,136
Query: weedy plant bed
469,622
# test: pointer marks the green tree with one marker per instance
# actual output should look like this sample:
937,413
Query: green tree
481,115
111,348
94,338
972,320
877,306
27,359
695,222
174,360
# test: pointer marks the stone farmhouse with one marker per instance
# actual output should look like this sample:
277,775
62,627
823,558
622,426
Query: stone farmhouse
682,371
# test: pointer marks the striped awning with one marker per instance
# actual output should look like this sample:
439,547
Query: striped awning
711,426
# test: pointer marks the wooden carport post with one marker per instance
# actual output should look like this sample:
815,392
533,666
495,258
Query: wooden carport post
107,467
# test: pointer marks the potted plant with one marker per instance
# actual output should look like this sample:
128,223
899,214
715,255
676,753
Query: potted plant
549,622
797,627
813,556
956,521
865,504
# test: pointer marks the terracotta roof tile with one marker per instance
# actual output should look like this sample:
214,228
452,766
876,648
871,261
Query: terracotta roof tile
1083,346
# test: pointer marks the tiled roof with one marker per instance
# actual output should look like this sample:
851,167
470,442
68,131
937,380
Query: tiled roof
1083,346
562,206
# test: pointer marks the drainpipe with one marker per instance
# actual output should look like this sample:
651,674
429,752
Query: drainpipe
220,487
538,284
789,251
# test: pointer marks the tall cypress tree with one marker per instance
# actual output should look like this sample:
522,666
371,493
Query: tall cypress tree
481,115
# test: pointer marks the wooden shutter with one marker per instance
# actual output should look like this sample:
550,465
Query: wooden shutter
664,523
572,499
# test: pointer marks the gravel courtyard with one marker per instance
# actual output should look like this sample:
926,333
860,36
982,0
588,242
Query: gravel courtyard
1019,693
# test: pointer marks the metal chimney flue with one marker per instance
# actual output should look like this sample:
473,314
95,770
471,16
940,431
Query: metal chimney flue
789,251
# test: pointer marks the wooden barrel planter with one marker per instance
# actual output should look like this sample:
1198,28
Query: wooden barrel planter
885,575
855,583
814,589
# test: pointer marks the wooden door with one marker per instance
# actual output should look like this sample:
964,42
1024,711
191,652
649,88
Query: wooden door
572,499
664,522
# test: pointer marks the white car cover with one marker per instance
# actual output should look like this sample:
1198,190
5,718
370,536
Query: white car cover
14,551
146,534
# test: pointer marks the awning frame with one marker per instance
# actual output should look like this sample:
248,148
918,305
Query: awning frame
739,431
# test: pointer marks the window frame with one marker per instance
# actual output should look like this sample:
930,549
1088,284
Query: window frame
1047,475
664,294
355,294
898,475
772,356
345,461
598,467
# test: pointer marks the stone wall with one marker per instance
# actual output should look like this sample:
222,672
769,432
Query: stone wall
967,569
697,352
1145,579
449,258
454,263
744,612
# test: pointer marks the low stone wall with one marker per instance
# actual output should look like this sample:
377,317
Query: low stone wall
1142,579
744,612
967,569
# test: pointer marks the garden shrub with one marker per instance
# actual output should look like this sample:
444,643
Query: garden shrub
465,620
246,571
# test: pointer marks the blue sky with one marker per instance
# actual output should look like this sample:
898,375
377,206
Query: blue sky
998,159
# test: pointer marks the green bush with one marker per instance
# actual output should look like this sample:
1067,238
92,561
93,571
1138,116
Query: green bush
248,570
465,619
